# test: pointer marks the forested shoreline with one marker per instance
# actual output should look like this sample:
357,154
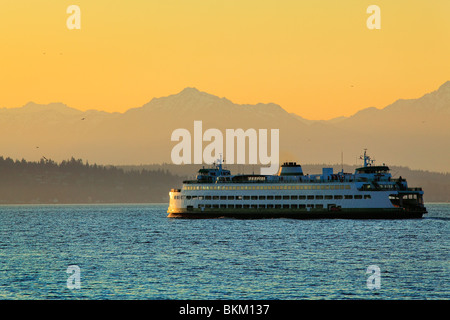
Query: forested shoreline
76,181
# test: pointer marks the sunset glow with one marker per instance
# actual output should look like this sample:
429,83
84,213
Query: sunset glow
315,58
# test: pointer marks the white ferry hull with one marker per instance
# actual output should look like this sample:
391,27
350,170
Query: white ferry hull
369,193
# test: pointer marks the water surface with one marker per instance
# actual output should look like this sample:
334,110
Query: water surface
136,252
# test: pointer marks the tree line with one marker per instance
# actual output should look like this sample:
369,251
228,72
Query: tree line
76,181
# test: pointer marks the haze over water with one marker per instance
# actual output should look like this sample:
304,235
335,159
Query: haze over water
136,252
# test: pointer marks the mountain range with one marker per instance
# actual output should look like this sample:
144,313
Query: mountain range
413,132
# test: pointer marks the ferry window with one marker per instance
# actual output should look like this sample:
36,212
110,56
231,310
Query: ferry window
278,206
297,187
294,197
223,197
319,206
269,206
285,187
230,197
277,197
328,197
215,197
262,197
200,197
348,197
338,197
310,197
215,206
246,206
231,206
246,197
347,186
207,206
310,206
301,197
302,206
285,197
254,206
238,206
290,188
269,197
319,197
254,197
322,187
358,196
327,187
238,197
261,206
207,197
253,188
188,197
301,187
285,206
223,206
367,196
342,186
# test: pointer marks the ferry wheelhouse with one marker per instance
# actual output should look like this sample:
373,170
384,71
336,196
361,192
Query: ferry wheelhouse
369,193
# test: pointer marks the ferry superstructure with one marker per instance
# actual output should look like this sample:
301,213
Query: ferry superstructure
369,193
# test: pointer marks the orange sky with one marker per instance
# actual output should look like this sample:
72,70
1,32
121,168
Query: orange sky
315,58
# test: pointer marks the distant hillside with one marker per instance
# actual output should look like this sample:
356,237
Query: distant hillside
413,133
75,181
435,185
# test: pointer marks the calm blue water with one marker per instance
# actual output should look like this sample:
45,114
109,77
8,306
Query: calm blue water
135,252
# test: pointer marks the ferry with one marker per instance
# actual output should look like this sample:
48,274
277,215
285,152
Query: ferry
369,193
